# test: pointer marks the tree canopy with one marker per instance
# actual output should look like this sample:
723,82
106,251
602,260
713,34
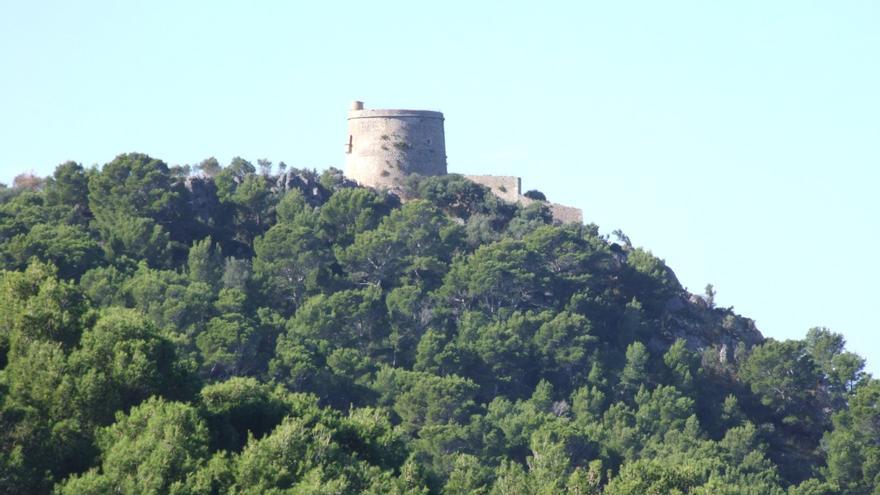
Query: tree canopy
244,331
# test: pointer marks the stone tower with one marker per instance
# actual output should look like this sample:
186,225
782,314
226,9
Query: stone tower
384,146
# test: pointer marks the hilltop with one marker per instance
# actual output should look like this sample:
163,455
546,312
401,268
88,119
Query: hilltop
251,329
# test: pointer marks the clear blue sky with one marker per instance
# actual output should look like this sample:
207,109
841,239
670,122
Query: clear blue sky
739,141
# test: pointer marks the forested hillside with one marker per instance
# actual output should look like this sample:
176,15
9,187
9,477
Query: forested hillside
258,330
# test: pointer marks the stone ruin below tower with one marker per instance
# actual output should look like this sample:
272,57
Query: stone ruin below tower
385,146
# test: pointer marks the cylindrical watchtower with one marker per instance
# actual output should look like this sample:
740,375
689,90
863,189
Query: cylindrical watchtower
384,146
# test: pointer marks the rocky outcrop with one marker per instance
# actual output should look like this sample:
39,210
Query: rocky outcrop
202,191
202,197
704,328
308,185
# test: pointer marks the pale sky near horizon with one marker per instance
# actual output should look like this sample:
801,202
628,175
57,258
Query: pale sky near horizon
739,141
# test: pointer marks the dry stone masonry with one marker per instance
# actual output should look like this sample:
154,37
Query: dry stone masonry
509,188
384,146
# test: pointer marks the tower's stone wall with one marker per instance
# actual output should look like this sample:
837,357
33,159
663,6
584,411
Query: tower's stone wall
561,213
509,188
384,146
566,214
506,187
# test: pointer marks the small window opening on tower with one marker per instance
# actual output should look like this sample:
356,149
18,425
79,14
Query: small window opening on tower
348,146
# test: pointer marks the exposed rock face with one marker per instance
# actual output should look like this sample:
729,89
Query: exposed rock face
202,197
689,317
308,185
203,200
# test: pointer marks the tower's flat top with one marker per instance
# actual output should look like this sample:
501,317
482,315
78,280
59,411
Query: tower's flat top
393,112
